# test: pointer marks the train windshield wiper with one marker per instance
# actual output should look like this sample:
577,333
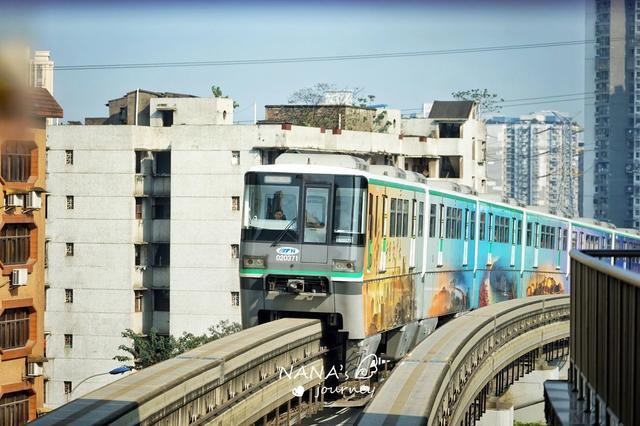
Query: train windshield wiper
284,231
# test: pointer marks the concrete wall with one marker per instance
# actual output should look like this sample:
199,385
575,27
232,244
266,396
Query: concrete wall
337,116
193,111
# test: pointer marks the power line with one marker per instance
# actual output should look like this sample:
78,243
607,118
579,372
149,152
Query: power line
548,102
334,58
552,99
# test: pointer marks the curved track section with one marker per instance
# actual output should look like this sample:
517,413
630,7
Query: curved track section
438,383
234,380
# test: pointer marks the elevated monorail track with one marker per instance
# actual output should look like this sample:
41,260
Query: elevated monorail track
447,379
232,381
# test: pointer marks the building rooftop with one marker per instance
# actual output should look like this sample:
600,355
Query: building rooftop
456,110
42,104
158,94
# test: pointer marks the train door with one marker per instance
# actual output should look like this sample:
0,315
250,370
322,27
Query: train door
315,224
536,243
514,239
467,234
558,247
490,233
382,266
441,236
414,219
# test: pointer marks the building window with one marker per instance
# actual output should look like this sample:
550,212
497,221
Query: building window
16,161
161,300
449,130
69,202
14,408
235,298
163,162
167,118
67,387
69,249
235,158
68,341
235,203
161,255
68,295
140,254
162,208
138,208
138,298
14,328
68,157
14,244
235,251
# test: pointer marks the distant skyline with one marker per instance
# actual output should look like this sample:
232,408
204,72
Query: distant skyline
161,32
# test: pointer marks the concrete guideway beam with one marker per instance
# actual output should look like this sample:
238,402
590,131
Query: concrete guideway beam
442,377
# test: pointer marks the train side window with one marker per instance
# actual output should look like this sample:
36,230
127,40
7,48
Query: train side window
574,239
370,209
384,215
442,218
448,233
392,212
536,231
405,218
529,233
375,218
420,219
519,234
483,226
433,217
472,225
565,237
491,227
467,229
414,217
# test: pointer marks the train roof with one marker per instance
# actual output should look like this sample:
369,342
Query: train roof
429,186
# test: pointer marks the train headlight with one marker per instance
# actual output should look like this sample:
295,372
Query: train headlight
255,262
344,265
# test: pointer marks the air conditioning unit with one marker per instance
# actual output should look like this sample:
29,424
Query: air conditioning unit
14,200
19,277
34,200
34,369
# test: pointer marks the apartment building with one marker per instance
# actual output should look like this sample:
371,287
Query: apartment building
144,224
612,112
537,158
22,251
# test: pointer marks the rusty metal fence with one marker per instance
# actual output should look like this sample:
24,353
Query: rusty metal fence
605,335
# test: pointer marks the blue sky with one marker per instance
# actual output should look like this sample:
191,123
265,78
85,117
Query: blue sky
158,32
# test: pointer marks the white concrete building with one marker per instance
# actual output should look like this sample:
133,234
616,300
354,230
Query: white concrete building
41,72
455,140
144,223
536,160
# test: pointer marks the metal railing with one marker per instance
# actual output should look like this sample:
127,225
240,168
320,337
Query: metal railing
605,334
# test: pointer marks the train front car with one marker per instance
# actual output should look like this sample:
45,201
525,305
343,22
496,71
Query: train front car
302,251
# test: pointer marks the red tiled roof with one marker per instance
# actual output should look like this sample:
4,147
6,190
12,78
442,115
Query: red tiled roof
42,104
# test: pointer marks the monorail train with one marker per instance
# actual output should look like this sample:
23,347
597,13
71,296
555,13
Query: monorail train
380,258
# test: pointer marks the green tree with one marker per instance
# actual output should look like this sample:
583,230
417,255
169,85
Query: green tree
487,102
145,351
216,91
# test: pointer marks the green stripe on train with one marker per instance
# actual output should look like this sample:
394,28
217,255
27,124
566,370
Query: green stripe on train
396,185
298,272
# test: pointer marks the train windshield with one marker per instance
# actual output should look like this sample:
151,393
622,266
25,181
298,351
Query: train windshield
271,206
316,209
